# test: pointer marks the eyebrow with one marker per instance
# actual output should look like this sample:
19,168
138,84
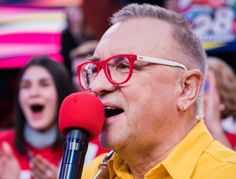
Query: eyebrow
93,58
87,54
40,79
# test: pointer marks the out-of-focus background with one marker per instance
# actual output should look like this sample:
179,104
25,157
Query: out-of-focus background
34,27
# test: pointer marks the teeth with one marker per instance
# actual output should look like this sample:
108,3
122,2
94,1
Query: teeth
109,107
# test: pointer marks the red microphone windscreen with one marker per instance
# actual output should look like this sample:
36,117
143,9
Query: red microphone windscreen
81,111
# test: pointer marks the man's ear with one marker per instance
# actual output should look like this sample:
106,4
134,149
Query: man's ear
190,87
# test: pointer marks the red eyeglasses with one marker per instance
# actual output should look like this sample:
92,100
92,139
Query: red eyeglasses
118,69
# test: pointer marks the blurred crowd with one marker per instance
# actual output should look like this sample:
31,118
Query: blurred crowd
30,143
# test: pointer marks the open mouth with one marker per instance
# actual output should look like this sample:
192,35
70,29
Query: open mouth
37,108
110,111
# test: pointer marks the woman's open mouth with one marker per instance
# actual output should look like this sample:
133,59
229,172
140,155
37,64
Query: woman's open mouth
36,108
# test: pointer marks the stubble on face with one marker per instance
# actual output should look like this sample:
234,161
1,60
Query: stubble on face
142,98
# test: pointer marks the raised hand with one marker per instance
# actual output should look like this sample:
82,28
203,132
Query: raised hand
42,168
9,166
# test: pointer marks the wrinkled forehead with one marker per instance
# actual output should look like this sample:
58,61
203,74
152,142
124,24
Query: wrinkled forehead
143,36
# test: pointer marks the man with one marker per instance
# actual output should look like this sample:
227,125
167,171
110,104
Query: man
149,75
78,56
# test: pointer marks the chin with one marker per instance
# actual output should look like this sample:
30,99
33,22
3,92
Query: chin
40,127
104,141
109,142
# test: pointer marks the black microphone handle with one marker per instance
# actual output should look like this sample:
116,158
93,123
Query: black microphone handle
74,154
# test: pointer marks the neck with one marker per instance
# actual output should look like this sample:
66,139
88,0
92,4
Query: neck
142,160
39,139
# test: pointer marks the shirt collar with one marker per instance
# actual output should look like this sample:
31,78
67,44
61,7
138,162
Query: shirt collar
181,162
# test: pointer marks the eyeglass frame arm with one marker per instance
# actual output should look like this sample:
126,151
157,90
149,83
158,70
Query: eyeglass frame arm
161,62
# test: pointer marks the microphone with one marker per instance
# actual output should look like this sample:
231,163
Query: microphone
81,118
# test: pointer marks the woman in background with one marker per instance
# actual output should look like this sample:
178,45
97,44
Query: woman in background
34,149
220,101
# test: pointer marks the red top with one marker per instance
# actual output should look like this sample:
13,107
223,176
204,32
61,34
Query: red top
232,139
52,155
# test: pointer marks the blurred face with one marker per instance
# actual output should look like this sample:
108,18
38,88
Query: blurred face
139,113
74,64
38,98
75,17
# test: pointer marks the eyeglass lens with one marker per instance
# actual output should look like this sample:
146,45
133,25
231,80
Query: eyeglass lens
117,69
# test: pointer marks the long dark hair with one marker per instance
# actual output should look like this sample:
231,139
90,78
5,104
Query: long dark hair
64,87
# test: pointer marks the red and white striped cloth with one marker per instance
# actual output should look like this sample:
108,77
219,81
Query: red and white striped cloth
27,31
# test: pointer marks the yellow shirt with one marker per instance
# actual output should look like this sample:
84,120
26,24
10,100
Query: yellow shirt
197,156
